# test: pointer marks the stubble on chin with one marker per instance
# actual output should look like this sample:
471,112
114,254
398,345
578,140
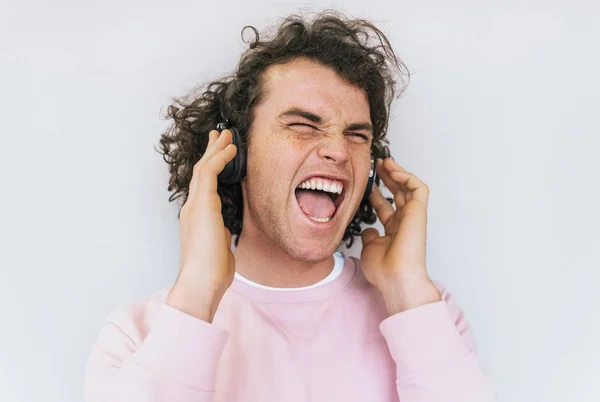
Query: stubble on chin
279,230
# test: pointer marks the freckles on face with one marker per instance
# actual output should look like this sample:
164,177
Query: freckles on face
306,86
279,159
317,135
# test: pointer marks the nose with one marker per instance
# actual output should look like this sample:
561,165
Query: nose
335,149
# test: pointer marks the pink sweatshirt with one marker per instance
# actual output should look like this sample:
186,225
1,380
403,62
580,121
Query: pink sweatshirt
330,343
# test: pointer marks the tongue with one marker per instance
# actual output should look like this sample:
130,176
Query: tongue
315,203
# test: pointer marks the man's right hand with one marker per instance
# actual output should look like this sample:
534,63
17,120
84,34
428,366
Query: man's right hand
207,265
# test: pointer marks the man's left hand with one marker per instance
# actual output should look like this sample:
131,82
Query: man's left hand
395,262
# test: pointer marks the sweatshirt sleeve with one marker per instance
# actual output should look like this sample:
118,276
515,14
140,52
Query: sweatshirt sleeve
435,354
177,361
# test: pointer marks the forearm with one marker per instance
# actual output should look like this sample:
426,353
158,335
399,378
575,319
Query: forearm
407,292
196,298
434,350
177,360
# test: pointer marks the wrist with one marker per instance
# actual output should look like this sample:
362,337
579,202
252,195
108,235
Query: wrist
404,294
198,301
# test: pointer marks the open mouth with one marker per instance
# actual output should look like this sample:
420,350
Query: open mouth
320,199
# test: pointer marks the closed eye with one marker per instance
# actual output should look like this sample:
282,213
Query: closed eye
302,124
363,136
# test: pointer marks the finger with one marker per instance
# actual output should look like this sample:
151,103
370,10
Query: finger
414,186
221,141
207,175
211,167
383,173
216,143
368,235
393,185
213,140
418,189
382,206
392,165
212,137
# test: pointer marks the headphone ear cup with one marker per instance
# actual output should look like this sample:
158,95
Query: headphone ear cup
235,170
372,176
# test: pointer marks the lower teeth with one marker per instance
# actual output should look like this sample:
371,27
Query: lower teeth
320,219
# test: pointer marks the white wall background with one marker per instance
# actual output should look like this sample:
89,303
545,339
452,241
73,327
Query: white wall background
500,119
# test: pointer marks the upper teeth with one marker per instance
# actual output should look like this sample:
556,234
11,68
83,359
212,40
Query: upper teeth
317,183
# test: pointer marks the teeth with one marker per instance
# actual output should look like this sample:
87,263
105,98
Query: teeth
322,220
330,186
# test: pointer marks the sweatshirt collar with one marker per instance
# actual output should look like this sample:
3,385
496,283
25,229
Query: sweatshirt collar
300,295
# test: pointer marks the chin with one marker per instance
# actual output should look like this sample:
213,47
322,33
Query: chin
309,241
310,250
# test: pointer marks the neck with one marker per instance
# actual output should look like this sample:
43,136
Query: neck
264,262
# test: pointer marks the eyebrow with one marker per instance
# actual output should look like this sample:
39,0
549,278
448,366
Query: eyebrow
297,112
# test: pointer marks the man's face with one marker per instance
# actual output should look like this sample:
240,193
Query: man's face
310,125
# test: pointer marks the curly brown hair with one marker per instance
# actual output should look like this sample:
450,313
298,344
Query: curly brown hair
357,50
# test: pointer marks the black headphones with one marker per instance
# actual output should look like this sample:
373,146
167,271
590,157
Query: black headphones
235,170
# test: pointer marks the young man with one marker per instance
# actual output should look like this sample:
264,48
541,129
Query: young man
287,317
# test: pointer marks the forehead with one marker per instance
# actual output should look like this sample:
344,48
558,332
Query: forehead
314,87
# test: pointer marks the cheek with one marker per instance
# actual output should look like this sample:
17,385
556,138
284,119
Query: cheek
272,166
363,168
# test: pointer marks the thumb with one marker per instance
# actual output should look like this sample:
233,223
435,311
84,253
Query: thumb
368,235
